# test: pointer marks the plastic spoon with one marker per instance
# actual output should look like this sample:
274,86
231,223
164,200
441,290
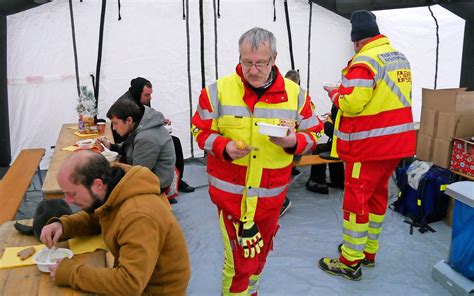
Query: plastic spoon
105,148
48,257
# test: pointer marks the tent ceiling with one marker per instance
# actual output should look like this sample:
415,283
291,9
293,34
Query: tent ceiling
462,8
14,6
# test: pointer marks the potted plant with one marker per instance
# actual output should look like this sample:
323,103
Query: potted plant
86,110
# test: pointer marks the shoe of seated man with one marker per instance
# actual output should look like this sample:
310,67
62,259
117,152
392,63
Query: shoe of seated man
316,187
336,267
185,187
285,206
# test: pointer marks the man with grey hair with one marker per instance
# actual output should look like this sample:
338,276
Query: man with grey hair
249,172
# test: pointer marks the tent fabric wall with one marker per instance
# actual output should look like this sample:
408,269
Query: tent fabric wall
150,41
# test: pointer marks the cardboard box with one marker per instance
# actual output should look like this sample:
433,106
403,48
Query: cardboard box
428,122
451,125
441,153
448,100
462,158
424,147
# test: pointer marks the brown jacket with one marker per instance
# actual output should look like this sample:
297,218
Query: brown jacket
138,227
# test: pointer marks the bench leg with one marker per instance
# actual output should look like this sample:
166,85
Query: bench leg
39,176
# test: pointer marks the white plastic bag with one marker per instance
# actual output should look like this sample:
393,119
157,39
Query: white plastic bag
416,171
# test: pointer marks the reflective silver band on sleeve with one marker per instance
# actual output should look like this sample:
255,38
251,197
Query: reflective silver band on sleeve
208,144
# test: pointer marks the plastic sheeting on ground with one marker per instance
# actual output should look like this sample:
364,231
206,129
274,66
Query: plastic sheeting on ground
311,229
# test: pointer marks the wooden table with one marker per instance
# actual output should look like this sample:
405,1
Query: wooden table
28,280
66,138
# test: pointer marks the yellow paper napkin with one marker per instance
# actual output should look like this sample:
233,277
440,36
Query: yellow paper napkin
10,259
70,148
86,244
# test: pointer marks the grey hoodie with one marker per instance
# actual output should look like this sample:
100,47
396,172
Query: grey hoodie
150,145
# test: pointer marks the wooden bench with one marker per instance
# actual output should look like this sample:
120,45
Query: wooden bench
17,180
312,160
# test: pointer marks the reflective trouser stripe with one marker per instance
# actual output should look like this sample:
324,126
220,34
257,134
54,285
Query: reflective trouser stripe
228,272
241,276
375,228
355,238
254,283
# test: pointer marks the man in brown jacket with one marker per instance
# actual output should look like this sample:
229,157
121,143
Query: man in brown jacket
136,222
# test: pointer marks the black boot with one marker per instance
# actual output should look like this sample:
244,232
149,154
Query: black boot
316,187
185,187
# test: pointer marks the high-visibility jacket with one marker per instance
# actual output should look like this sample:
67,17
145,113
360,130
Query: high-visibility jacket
230,110
375,118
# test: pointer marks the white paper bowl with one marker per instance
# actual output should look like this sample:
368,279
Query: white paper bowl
110,155
56,255
331,84
85,144
272,129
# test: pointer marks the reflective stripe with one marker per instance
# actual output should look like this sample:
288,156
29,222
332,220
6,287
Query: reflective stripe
373,236
375,225
360,247
254,283
226,186
213,96
353,233
309,144
209,142
204,114
239,189
357,82
382,75
274,113
308,122
301,101
234,110
396,90
301,98
377,132
265,192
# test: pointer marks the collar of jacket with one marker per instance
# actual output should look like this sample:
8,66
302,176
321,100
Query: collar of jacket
274,93
375,41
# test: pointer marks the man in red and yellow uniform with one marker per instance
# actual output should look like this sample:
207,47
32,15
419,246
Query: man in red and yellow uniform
249,172
373,131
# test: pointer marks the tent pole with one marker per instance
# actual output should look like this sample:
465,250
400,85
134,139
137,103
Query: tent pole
5,151
188,57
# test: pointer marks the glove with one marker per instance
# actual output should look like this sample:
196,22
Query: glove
250,239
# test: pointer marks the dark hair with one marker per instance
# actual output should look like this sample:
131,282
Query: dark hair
94,166
124,108
136,88
293,75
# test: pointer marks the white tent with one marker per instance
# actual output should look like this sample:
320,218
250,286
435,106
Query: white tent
151,41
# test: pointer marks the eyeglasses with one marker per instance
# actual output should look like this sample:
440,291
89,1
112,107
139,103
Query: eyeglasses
258,65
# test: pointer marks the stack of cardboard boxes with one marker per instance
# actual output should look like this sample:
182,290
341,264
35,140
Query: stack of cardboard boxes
445,113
